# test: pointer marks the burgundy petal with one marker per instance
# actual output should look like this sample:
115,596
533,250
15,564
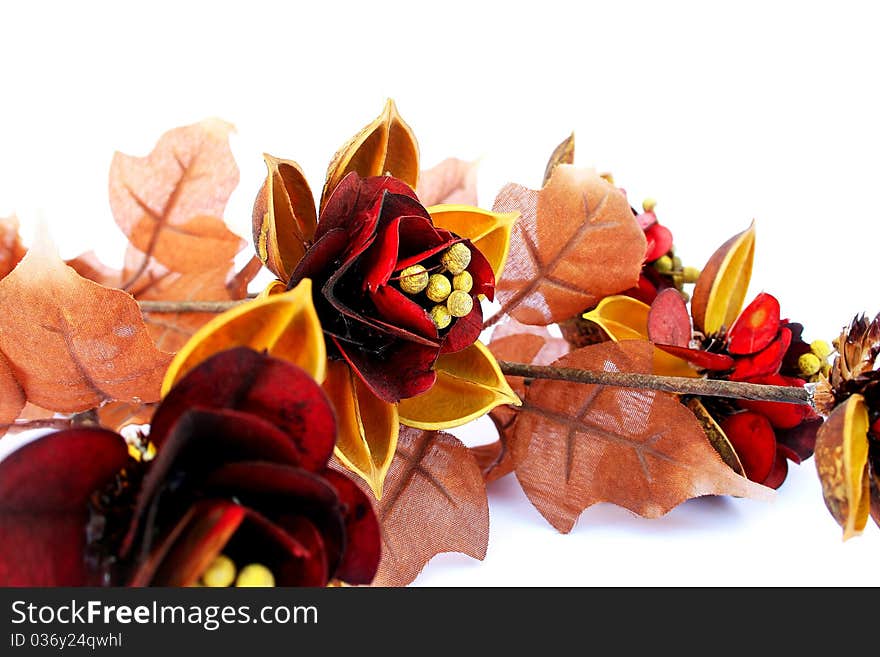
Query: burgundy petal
705,359
668,320
802,438
420,239
481,271
347,205
363,549
405,369
324,256
752,437
764,362
778,472
398,309
379,262
275,390
756,327
45,488
464,331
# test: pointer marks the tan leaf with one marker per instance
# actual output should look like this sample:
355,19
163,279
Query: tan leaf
723,283
11,249
169,203
562,154
575,242
435,501
639,449
842,464
284,217
75,345
387,145
12,397
88,265
453,181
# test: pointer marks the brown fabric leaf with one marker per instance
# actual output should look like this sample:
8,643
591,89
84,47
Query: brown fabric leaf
451,181
73,344
639,449
88,265
434,501
575,242
118,415
11,249
12,397
169,203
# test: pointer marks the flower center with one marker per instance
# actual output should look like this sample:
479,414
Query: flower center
446,293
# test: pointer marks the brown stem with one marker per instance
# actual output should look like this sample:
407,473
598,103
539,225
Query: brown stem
86,418
676,384
189,306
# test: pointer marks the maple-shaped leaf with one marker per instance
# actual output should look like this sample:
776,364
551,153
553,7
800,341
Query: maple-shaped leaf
575,242
169,204
639,449
75,344
434,501
12,397
451,181
11,249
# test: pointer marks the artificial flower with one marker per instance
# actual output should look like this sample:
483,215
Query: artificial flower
237,490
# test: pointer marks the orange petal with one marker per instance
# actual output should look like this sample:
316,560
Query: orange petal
488,231
367,426
285,324
723,283
469,384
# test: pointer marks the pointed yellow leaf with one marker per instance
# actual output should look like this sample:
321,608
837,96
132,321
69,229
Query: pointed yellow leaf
385,146
625,318
842,464
284,217
723,283
273,288
488,231
367,426
469,384
285,324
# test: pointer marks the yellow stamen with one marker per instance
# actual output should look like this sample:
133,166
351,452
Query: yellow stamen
459,303
221,572
255,575
821,348
691,274
809,364
456,259
663,264
439,288
463,281
440,315
649,204
413,279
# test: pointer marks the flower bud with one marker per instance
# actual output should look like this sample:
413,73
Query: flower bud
456,259
413,279
459,303
439,287
463,281
649,204
691,274
809,364
663,264
440,315
220,573
255,574
821,348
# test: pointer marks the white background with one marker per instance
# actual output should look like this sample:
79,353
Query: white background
764,111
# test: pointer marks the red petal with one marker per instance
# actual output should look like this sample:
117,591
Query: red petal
668,320
381,258
780,414
764,362
659,242
398,309
419,240
363,548
45,487
705,359
644,291
756,327
275,390
802,438
355,203
778,472
464,331
404,370
788,453
481,272
752,437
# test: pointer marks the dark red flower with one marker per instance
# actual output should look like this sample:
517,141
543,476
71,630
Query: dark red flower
242,444
370,231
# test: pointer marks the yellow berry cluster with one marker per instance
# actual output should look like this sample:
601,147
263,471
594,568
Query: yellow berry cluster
451,295
814,363
222,572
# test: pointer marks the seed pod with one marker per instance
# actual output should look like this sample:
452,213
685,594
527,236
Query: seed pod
440,315
220,573
439,288
456,259
463,281
255,574
459,303
413,279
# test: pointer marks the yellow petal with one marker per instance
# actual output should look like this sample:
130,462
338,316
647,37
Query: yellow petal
488,231
285,324
284,217
625,318
273,288
469,384
385,146
367,426
723,283
842,464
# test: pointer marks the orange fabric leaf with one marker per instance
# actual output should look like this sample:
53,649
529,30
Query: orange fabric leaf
434,501
12,397
723,283
169,203
76,344
575,242
284,217
11,249
639,449
386,146
451,181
